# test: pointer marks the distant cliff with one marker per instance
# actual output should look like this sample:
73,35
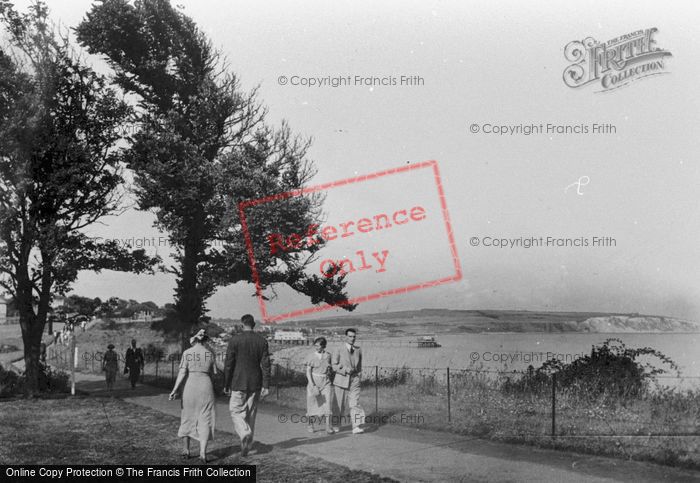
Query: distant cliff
622,323
440,321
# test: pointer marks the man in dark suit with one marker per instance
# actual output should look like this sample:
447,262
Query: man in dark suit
247,378
133,363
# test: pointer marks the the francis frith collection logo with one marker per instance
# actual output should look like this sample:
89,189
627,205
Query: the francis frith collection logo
615,63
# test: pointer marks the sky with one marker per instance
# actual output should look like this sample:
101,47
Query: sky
472,66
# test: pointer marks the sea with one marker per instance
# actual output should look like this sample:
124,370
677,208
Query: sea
517,351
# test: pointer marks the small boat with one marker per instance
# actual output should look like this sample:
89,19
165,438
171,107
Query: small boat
424,341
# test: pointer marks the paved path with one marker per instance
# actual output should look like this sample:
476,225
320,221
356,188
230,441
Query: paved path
409,454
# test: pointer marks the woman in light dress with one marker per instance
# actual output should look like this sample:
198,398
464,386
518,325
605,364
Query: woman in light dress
198,416
318,390
110,366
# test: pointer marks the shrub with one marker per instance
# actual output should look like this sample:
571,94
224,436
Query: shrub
9,382
50,381
53,380
611,368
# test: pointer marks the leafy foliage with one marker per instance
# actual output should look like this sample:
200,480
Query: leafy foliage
203,147
611,368
59,170
81,305
50,380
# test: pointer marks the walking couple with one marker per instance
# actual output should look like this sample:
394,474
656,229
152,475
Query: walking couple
326,400
246,379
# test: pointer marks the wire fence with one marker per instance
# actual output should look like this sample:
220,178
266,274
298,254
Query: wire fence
506,404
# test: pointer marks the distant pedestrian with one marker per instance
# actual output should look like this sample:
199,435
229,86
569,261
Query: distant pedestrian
319,392
247,378
347,364
198,417
110,366
133,363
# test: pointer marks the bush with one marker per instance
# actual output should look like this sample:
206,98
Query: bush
53,380
612,368
9,383
50,381
170,325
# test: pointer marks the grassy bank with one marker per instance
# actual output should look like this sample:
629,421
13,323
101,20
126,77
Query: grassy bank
110,431
661,426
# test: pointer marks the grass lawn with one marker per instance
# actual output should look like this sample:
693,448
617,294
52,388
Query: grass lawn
663,430
95,430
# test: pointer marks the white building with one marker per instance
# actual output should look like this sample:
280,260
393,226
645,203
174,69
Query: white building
284,335
58,301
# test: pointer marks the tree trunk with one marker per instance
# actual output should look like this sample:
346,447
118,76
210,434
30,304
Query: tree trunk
189,304
31,323
32,331
32,354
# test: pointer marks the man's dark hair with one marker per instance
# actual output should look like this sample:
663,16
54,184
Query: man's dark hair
350,330
248,320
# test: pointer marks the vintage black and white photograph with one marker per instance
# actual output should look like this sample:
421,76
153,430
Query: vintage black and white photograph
308,241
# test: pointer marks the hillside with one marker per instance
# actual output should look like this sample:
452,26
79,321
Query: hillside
479,321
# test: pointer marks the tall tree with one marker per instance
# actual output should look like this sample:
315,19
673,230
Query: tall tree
59,171
203,146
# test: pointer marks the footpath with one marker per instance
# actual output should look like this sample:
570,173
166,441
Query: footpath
405,453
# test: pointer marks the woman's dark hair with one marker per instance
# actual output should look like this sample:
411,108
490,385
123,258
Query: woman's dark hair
321,340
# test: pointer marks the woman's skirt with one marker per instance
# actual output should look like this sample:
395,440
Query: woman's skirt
198,415
110,375
319,404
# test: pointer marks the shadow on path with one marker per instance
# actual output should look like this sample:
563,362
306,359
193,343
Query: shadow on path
402,452
122,389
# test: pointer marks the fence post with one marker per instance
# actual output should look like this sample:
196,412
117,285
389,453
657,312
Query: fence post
376,389
156,369
277,380
449,398
74,357
554,403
